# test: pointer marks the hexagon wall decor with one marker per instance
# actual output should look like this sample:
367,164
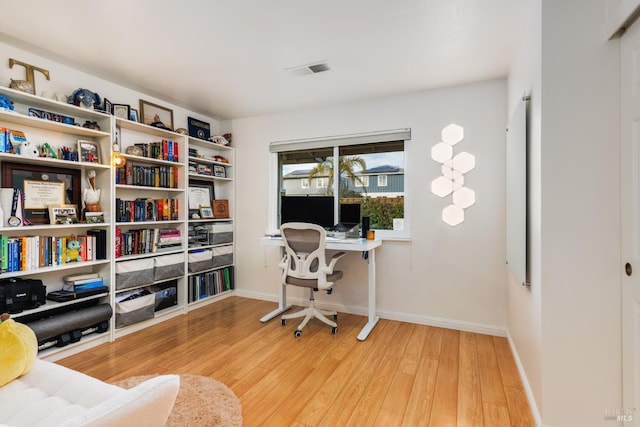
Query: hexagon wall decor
453,169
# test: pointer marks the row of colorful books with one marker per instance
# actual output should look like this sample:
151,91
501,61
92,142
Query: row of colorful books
20,253
146,240
148,176
142,209
162,150
210,283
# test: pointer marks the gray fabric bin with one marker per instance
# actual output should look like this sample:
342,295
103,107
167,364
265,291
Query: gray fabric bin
134,273
135,310
222,255
168,266
221,233
199,261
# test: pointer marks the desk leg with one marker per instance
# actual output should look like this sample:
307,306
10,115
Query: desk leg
372,318
282,306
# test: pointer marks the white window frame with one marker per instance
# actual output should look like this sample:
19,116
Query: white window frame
362,181
304,183
383,180
322,182
335,142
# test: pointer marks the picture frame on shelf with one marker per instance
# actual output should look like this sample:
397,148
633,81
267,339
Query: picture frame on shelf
63,214
133,115
107,106
200,194
206,212
155,115
42,186
94,217
89,151
219,171
122,111
221,208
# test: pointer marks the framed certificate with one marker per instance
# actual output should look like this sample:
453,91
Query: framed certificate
200,195
42,186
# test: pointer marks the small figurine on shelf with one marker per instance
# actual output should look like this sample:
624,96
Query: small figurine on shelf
74,250
91,195
85,98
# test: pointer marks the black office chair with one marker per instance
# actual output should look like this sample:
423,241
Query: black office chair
304,264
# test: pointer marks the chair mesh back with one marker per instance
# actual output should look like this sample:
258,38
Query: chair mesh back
303,242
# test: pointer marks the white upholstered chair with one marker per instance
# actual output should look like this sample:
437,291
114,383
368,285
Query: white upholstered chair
304,265
53,395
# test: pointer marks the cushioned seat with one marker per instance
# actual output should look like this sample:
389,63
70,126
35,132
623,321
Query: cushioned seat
52,395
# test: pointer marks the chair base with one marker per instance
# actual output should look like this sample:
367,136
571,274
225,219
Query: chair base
312,312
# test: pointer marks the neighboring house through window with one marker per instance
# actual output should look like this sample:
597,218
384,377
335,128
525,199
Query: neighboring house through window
306,168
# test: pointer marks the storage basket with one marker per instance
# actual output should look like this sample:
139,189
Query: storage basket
168,266
134,306
221,233
222,255
136,272
200,260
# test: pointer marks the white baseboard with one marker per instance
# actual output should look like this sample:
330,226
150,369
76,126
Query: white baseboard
479,328
525,383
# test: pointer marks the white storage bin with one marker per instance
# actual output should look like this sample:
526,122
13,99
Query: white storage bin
221,233
134,306
200,260
222,255
168,266
133,273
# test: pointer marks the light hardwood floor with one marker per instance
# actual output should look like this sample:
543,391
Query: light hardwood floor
402,375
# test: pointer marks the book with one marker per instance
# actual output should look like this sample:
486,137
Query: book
79,277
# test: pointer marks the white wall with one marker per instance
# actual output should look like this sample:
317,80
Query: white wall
566,329
65,80
444,274
525,304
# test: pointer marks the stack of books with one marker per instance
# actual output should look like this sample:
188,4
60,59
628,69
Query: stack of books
84,284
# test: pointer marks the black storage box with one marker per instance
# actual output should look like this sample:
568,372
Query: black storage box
18,294
166,294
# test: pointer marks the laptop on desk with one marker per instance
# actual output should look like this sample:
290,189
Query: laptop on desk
344,230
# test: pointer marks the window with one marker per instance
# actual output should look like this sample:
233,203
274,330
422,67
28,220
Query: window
361,181
360,157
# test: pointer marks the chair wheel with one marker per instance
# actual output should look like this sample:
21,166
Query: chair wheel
335,317
297,333
283,321
329,291
334,330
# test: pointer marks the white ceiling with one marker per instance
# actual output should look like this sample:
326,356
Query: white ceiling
227,58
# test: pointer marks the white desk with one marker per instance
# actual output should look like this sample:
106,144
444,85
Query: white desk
355,245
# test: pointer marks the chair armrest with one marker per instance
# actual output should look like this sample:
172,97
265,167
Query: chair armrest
334,260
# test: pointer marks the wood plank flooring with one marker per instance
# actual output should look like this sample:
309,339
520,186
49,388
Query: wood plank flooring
402,375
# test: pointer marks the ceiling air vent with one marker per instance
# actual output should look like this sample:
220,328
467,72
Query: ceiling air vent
304,70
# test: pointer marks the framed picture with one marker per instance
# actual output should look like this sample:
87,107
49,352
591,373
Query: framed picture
221,208
200,194
94,217
155,115
63,214
107,106
42,186
121,111
133,115
206,212
89,151
219,171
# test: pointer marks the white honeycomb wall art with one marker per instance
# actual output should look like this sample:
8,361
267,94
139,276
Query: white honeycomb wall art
454,167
